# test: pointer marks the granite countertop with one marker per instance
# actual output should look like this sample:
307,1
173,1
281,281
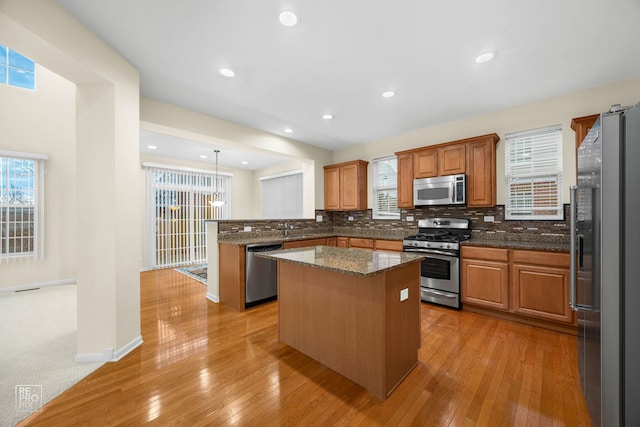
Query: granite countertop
358,262
532,245
271,237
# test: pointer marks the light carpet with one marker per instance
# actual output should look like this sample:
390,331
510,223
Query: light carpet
38,335
198,272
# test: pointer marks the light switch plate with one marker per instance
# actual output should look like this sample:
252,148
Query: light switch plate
247,228
350,218
404,294
318,218
488,218
409,218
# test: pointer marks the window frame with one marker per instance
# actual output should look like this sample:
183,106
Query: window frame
532,185
37,238
390,213
20,64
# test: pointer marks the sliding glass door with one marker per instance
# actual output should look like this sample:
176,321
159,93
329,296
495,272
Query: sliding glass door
178,204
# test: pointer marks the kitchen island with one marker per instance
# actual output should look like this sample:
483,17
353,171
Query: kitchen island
356,311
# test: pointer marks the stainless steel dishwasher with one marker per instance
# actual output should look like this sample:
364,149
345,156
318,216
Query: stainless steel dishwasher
261,274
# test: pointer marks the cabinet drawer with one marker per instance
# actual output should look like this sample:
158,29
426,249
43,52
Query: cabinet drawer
360,243
551,259
388,245
491,254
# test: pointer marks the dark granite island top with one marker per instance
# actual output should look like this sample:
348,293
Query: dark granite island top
359,262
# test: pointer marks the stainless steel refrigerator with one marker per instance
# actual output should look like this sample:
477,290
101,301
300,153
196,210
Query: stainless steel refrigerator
605,267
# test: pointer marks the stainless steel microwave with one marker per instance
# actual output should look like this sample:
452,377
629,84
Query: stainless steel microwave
440,190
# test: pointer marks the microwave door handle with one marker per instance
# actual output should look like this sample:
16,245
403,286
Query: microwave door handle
453,192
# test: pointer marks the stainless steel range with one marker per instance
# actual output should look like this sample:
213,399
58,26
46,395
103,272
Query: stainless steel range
438,239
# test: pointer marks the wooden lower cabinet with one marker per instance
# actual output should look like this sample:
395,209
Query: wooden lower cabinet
332,241
541,290
356,242
485,277
388,245
304,243
529,284
342,242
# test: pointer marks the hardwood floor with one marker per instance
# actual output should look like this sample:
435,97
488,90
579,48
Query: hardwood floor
205,364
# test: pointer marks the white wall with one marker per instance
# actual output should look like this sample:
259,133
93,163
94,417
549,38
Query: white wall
108,208
159,117
44,121
557,110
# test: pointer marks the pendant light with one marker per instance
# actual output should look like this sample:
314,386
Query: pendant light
217,196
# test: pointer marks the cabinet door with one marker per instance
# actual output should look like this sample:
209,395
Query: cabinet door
481,174
485,283
343,242
425,163
331,188
332,241
451,160
405,180
349,187
541,292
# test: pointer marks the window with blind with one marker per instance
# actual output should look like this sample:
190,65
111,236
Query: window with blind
21,205
533,174
385,188
281,196
179,201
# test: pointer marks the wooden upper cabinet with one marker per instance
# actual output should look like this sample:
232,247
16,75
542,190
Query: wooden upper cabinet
581,126
405,180
481,171
345,186
451,160
331,188
475,157
425,163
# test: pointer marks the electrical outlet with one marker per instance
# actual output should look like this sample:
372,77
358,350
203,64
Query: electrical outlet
350,218
404,294
409,218
247,228
318,218
488,218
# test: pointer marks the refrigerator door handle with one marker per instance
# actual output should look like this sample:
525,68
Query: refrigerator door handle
572,266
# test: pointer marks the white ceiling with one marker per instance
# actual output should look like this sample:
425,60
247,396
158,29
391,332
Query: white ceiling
343,54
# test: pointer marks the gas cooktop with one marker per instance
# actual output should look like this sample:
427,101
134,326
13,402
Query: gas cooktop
439,233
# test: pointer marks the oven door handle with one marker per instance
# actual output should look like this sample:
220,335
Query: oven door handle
433,252
442,294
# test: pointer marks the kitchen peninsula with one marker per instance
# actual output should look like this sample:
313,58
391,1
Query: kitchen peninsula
356,311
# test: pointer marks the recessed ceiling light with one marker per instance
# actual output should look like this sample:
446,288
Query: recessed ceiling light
152,147
485,57
288,130
227,72
288,18
203,156
327,116
388,94
244,162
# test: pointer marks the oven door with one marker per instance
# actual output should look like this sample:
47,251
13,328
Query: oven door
439,270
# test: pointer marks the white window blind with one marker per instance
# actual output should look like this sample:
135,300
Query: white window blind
533,174
21,206
281,196
385,188
178,203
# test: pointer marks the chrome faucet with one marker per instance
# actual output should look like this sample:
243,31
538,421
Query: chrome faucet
287,227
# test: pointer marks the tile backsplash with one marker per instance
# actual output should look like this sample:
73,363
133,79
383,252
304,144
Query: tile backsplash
363,222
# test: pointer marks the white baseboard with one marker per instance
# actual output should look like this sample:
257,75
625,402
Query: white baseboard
212,297
123,351
59,282
109,355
